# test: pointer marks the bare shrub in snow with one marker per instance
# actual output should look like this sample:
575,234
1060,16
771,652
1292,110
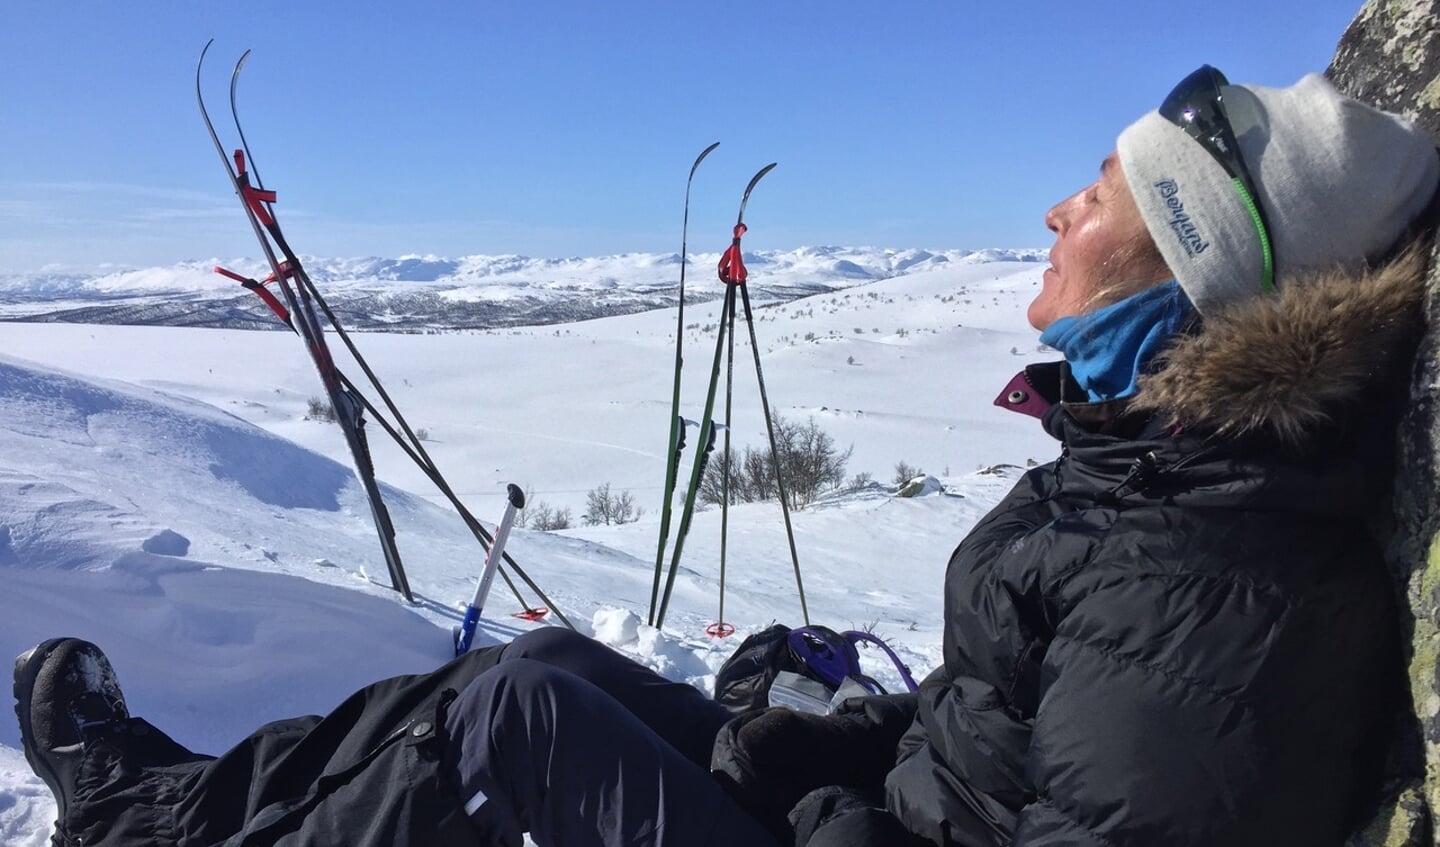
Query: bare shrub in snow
860,481
319,409
904,472
603,507
545,517
810,465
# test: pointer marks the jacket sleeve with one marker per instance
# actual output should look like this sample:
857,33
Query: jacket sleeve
1142,735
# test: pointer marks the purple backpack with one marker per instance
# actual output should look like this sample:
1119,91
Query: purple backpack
816,652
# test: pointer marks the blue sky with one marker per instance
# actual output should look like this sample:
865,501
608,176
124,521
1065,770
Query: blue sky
566,128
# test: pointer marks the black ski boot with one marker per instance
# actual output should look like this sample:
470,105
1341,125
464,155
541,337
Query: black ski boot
66,696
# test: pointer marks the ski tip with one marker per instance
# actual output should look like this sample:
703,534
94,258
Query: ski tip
515,495
200,63
754,180
701,157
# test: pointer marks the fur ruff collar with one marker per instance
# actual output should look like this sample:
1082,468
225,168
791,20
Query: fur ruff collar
1293,364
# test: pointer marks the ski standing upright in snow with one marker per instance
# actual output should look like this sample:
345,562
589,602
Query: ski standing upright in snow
677,423
733,274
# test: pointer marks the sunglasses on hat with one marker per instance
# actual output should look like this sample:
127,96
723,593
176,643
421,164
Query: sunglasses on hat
1198,107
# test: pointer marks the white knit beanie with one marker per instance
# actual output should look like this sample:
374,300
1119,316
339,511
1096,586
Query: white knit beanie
1338,181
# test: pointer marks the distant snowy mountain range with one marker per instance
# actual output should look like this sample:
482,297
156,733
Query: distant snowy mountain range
418,293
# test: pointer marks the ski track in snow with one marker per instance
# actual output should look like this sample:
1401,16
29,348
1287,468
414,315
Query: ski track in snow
162,495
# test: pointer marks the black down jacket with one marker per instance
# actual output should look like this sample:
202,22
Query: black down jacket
1180,632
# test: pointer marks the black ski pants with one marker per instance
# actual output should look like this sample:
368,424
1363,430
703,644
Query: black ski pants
576,744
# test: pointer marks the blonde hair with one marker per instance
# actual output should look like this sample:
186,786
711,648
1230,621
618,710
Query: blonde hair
1133,267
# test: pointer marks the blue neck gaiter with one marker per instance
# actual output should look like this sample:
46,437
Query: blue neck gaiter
1108,349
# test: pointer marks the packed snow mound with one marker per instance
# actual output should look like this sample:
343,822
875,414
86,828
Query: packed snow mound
129,433
87,472
615,626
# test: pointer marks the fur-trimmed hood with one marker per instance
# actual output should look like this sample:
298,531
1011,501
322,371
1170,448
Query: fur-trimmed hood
1294,363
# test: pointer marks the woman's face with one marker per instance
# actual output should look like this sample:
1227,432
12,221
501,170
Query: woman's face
1100,241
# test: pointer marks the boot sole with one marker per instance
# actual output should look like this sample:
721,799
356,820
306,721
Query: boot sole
27,670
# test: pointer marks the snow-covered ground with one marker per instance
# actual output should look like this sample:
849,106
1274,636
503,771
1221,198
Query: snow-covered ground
162,493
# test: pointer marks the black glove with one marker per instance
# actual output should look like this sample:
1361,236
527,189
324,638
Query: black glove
769,758
837,816
848,817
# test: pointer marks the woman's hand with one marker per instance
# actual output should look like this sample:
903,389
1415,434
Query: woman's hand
770,758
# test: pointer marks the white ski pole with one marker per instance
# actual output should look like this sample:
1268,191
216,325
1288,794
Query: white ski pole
466,633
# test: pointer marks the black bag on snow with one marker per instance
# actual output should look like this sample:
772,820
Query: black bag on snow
815,652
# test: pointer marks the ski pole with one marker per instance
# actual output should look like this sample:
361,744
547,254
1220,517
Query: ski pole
516,499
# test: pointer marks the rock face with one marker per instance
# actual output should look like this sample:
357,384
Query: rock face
1390,57
167,542
921,486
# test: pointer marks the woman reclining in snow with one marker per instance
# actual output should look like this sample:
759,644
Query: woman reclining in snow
1180,632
